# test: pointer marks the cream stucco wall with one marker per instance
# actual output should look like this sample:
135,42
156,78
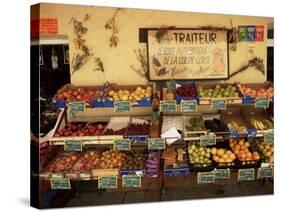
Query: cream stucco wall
117,61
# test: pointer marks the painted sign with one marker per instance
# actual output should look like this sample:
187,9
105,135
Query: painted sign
187,54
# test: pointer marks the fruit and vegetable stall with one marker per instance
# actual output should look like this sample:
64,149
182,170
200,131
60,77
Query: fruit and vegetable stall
145,137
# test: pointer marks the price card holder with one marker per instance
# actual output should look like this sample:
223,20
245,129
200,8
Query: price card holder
60,183
205,177
85,175
218,104
57,175
262,102
122,144
72,146
107,182
233,134
222,173
131,181
246,174
265,172
122,106
252,132
168,106
188,106
156,143
77,107
208,140
268,137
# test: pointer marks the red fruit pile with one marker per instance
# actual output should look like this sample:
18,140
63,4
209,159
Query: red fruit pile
186,91
88,162
72,129
63,162
74,94
115,132
138,129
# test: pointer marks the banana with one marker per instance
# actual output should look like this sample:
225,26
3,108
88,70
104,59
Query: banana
268,124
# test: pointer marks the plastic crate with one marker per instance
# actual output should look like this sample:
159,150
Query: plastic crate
137,138
180,98
176,172
59,103
140,172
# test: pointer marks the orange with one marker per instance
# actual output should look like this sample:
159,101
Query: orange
220,152
241,142
247,144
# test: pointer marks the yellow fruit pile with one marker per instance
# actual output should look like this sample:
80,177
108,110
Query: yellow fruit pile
222,155
241,150
267,150
125,95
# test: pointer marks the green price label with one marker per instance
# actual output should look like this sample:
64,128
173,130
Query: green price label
262,102
131,181
205,177
218,104
222,173
265,172
189,106
107,182
168,106
122,106
122,144
77,107
246,174
156,143
268,137
72,146
60,183
208,140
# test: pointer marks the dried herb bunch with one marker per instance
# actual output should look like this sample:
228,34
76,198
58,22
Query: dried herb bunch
111,25
255,62
163,30
141,57
79,59
99,64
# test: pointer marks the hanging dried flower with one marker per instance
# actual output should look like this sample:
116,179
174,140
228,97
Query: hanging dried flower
80,59
99,65
141,57
111,25
255,62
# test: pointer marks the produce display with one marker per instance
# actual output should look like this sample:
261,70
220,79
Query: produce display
267,151
64,162
255,92
152,164
186,91
215,125
218,91
126,95
133,161
261,124
172,156
195,123
121,131
78,94
199,156
138,129
72,129
87,162
240,147
110,159
223,156
233,126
